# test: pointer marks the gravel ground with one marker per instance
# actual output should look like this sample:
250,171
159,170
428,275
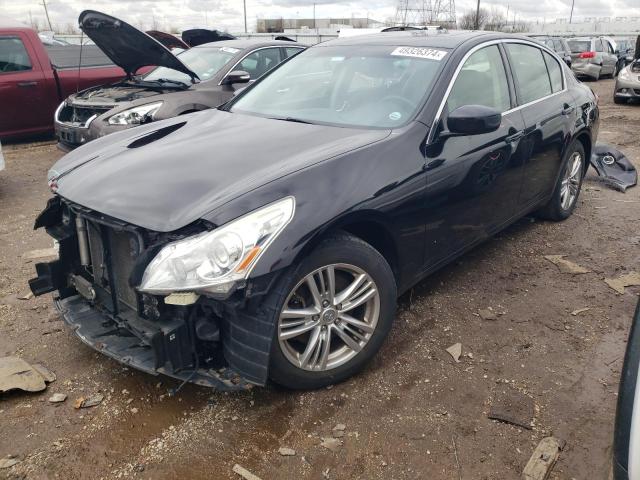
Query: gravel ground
415,413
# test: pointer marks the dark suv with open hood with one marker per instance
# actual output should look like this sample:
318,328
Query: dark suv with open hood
201,77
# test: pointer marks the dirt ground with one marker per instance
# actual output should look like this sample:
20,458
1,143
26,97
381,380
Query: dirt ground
414,413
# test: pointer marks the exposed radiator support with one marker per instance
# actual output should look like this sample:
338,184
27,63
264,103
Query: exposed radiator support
83,242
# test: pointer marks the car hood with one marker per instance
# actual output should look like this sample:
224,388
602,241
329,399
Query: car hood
165,175
126,46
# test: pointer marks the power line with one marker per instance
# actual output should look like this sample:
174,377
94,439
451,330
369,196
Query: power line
46,11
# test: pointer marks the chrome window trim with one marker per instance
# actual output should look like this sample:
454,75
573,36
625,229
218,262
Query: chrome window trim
251,52
480,46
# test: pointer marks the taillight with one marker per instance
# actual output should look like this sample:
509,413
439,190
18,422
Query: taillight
588,55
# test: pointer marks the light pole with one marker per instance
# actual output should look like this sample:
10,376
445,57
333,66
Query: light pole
571,14
478,16
244,4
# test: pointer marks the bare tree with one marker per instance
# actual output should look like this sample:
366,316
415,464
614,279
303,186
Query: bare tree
468,20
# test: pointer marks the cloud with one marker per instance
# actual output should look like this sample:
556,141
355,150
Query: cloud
228,14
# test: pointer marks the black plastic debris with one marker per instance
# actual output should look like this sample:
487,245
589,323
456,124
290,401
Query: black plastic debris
613,167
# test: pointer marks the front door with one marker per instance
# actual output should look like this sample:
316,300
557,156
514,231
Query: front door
21,88
473,181
548,110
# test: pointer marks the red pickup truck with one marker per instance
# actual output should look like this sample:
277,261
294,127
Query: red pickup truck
34,79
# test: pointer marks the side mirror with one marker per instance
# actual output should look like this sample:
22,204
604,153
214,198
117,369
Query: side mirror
473,120
237,76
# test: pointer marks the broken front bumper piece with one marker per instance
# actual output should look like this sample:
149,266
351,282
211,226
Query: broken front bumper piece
153,353
614,168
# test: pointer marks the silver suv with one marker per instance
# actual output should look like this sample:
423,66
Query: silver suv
593,56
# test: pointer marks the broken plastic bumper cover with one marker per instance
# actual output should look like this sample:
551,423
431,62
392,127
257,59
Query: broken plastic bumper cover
614,167
101,333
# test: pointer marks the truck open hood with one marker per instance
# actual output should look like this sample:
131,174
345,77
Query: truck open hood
167,174
126,46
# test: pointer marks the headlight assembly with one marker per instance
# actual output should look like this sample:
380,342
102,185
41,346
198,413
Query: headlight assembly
136,115
214,261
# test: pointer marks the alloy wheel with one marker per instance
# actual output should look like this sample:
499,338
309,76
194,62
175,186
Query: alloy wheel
571,182
328,317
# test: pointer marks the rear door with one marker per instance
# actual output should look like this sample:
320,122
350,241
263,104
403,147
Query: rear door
610,55
22,87
549,113
473,181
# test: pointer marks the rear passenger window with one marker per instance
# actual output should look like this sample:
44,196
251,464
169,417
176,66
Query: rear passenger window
260,62
555,73
290,52
599,46
13,55
530,71
481,81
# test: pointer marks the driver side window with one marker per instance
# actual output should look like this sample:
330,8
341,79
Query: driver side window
481,81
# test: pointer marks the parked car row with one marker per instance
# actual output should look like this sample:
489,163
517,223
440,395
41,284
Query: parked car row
591,57
114,88
35,78
202,77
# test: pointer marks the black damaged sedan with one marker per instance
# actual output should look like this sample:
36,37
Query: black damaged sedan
269,239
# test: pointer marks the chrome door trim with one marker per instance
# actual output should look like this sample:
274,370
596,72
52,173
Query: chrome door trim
480,46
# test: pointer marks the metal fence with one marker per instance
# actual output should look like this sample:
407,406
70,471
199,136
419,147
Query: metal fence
304,38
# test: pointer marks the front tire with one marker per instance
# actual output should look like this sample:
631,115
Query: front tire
567,189
336,308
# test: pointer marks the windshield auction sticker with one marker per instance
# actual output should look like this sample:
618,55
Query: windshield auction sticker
418,52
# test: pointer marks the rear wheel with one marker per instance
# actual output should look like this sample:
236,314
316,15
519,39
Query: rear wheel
337,308
567,189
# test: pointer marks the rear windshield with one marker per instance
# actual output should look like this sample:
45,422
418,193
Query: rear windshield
579,46
363,86
204,61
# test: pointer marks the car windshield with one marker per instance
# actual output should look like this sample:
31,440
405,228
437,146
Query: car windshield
579,46
204,61
358,86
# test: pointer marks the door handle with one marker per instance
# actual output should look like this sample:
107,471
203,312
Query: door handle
567,109
27,84
514,137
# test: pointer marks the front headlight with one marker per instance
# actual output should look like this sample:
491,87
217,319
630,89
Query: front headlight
214,261
625,73
135,115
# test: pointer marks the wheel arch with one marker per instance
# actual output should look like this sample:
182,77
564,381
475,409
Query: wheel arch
584,137
371,227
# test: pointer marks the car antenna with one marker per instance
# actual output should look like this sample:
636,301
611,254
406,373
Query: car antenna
80,60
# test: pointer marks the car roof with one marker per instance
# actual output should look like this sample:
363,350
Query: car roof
250,43
421,38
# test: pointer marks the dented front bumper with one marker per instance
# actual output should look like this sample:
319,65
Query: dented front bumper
154,354
224,344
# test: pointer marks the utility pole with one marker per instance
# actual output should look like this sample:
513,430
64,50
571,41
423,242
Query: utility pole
44,4
244,4
571,14
478,16
314,18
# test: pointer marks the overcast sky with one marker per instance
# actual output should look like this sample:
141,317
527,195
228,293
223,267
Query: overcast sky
227,14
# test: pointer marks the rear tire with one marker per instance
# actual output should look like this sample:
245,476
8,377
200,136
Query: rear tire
324,322
567,189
